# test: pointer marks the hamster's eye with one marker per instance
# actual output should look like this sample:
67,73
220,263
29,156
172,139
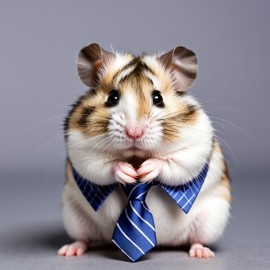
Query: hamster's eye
157,99
113,98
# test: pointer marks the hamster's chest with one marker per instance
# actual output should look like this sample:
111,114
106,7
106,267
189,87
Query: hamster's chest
170,221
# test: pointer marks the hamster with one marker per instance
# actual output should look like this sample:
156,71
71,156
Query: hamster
138,122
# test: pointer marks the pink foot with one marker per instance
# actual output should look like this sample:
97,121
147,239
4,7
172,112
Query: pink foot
77,248
124,173
149,170
199,251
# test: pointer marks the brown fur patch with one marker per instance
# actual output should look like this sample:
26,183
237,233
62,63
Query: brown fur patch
189,114
226,193
88,95
164,77
68,177
90,116
68,173
142,88
183,115
225,181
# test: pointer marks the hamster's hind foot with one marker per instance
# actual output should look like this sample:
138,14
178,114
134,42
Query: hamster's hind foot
199,251
77,248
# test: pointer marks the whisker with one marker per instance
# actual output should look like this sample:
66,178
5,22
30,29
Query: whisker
227,145
233,125
49,142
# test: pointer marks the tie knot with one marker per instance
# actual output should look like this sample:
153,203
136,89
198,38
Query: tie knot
137,191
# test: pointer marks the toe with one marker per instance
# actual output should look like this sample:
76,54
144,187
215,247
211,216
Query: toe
205,253
80,251
71,252
192,253
198,253
62,251
211,254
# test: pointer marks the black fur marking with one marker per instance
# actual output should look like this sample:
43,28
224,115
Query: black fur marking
150,81
186,115
181,93
191,110
139,67
226,171
86,112
88,94
130,64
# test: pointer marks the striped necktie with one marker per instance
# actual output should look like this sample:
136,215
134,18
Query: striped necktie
134,233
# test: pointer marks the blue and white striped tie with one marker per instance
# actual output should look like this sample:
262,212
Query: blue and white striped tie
135,232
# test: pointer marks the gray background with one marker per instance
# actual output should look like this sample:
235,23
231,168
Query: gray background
39,44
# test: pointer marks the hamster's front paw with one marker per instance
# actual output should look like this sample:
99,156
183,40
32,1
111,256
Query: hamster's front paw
124,173
149,170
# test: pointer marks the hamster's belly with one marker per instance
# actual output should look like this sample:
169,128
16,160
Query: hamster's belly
171,223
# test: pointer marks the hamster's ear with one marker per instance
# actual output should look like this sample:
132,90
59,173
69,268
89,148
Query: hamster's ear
89,62
183,65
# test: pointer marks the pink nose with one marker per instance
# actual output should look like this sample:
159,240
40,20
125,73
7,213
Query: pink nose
134,132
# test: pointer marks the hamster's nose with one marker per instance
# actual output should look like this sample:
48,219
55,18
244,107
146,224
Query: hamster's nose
134,132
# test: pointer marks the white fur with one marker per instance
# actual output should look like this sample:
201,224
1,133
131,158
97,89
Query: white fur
119,61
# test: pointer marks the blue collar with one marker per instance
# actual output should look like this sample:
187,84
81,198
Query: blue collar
184,195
